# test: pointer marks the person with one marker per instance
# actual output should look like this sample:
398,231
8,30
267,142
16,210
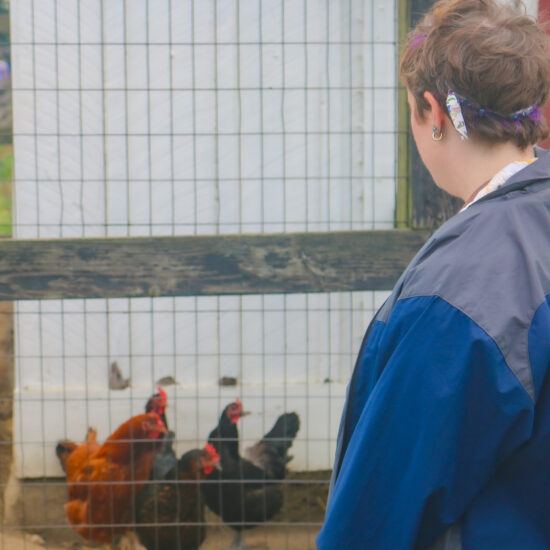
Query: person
444,441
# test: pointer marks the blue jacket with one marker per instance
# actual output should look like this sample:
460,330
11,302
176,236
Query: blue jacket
444,441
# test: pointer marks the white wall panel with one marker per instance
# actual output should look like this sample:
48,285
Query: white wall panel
172,118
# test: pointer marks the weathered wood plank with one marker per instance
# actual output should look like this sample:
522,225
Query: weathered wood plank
204,265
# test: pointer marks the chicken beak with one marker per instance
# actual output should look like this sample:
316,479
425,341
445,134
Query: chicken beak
245,413
217,465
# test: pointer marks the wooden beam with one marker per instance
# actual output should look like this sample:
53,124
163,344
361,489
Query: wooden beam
204,265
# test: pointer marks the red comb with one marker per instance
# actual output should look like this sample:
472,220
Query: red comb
211,450
238,401
162,393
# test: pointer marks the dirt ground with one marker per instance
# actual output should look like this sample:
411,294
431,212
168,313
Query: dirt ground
299,538
40,507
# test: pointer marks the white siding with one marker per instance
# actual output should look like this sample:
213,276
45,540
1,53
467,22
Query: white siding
171,118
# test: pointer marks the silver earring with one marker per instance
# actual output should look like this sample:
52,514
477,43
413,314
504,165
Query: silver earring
435,131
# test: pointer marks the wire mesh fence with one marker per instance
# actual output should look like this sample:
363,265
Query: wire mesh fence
142,117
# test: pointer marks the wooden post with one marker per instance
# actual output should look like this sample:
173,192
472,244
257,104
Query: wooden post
6,308
403,201
430,205
6,396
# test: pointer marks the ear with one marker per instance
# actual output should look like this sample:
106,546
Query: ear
437,114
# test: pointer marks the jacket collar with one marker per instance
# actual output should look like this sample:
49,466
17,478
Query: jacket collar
533,173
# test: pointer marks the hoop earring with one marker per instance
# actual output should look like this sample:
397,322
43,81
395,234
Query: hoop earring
435,137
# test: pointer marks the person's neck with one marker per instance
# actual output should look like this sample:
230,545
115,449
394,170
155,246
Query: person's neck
477,164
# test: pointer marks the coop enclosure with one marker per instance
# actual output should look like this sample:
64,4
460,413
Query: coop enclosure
178,120
193,118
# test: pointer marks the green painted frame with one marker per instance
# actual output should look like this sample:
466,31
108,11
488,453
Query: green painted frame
420,204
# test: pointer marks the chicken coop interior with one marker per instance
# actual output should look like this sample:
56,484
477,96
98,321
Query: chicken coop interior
190,131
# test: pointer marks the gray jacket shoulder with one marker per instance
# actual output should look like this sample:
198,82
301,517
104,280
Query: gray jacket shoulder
492,262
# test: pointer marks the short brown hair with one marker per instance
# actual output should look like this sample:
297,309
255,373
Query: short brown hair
491,55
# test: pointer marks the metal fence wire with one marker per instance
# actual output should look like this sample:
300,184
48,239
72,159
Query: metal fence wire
165,117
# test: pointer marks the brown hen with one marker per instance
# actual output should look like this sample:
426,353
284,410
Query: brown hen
103,484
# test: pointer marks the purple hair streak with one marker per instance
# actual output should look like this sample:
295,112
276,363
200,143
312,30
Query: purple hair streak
417,40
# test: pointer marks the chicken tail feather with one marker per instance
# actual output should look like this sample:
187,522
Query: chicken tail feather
270,452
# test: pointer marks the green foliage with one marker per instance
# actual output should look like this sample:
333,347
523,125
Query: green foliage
6,171
6,164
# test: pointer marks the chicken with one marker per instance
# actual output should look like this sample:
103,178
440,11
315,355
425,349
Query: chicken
102,485
243,505
63,449
157,403
270,453
176,500
67,447
166,458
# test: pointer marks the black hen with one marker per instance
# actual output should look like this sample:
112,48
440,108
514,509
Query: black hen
158,403
166,459
170,513
244,505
